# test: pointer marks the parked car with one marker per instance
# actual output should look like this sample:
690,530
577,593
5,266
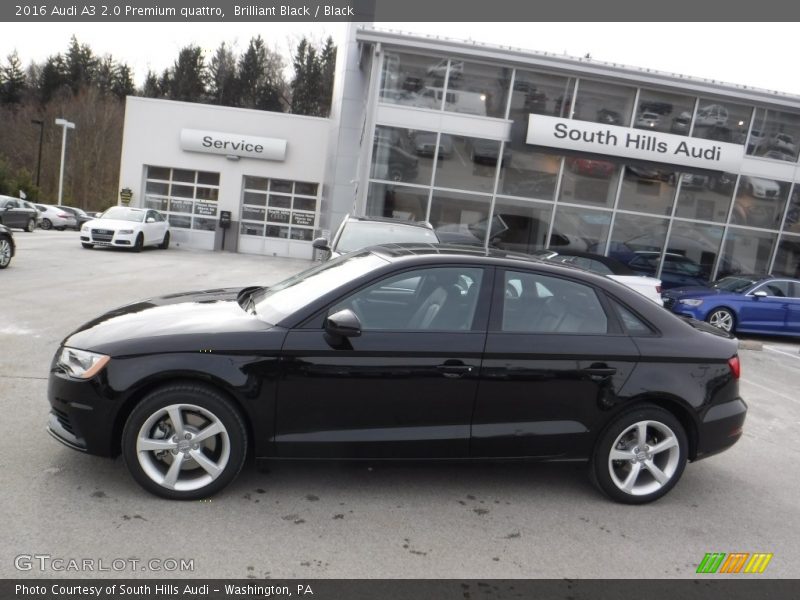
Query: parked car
677,271
649,287
656,106
425,144
648,120
125,227
7,246
590,167
742,304
54,217
13,213
609,117
713,114
483,151
32,206
681,124
80,215
401,352
756,141
783,142
759,187
356,233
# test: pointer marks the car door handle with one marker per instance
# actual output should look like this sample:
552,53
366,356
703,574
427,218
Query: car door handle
599,371
454,369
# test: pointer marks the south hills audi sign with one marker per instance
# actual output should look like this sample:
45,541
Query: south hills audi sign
637,144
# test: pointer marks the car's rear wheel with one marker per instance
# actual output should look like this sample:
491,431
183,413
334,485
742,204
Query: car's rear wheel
30,226
139,243
46,224
165,242
640,456
87,246
5,253
184,442
722,318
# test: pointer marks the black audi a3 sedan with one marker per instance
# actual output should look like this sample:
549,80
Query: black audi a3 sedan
401,351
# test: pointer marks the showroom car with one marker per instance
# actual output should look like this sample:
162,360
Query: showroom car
742,304
14,213
7,247
124,227
403,351
55,218
356,233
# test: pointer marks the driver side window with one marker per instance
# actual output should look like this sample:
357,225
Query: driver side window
438,299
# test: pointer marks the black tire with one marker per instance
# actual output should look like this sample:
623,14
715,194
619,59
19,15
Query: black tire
165,242
5,252
723,318
199,406
46,224
31,225
139,243
87,246
60,228
639,465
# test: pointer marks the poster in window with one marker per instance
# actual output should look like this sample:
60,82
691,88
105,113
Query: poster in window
180,206
278,216
305,219
205,209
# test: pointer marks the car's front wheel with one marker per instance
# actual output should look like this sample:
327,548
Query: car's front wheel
185,441
46,224
139,243
165,242
641,456
722,318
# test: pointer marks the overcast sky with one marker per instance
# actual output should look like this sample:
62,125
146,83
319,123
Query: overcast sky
729,52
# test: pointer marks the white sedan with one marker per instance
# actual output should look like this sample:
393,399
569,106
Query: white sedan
124,227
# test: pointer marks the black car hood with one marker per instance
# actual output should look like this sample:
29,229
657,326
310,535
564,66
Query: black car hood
203,321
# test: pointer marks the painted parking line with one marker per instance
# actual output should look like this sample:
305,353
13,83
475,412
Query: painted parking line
784,352
768,389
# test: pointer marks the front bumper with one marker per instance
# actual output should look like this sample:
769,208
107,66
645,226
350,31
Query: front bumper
721,427
112,239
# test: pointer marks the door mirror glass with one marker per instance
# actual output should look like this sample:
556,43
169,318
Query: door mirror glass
344,323
150,220
760,294
321,243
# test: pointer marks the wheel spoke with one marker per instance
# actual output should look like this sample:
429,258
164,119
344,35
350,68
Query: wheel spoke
174,470
641,434
660,476
153,445
663,445
630,480
208,432
620,454
176,417
208,465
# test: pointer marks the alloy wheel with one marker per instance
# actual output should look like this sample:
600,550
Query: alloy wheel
5,253
644,458
722,319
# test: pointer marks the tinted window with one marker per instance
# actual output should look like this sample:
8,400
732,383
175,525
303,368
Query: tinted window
779,289
632,323
537,303
441,299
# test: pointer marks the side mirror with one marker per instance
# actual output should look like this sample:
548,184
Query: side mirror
344,323
150,220
760,294
321,243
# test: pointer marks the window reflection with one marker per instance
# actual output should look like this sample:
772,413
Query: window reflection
792,222
474,165
397,202
787,259
519,226
746,251
698,243
541,94
647,188
460,218
774,135
410,79
395,156
580,229
606,103
706,197
477,89
722,121
661,111
759,202
589,181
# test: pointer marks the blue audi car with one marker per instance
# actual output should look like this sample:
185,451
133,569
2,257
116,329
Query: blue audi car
742,303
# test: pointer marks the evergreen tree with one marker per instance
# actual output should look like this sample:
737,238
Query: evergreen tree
328,68
165,84
189,76
122,82
104,74
312,86
12,80
52,78
151,88
224,81
81,65
260,79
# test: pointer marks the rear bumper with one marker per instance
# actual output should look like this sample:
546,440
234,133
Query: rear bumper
721,427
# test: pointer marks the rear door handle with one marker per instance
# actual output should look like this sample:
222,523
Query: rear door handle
600,371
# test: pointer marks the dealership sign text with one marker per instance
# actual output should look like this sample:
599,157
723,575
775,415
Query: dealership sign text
230,144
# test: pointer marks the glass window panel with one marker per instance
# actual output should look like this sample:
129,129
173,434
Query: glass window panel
792,222
280,201
204,224
180,206
760,202
252,228
642,251
183,191
308,189
580,229
477,89
158,173
153,187
698,243
590,181
207,178
646,188
305,219
662,111
254,214
409,79
787,259
204,193
305,204
278,216
520,226
602,102
527,173
746,251
774,135
183,175
277,231
402,155
460,218
256,183
473,167
540,93
706,197
255,198
280,185
722,121
179,221
299,233
397,202
157,203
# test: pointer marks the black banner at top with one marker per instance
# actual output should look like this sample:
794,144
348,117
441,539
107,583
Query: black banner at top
392,11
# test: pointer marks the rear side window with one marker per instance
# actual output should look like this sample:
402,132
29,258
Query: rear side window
632,323
535,303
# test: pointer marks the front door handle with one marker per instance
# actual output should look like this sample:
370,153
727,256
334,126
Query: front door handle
598,371
454,368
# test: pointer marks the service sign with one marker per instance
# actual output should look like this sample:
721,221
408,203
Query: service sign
637,144
233,144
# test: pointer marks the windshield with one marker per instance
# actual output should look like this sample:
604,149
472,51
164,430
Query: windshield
360,234
733,284
124,214
277,302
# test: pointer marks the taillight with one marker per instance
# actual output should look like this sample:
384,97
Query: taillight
63,216
735,367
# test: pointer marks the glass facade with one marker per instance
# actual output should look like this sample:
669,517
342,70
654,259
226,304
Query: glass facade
682,225
277,208
188,199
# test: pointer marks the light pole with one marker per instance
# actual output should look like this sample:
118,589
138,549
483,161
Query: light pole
40,123
66,125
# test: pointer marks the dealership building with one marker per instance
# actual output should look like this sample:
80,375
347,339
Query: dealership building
685,178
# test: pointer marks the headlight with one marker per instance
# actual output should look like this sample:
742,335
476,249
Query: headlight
84,228
125,231
82,364
690,302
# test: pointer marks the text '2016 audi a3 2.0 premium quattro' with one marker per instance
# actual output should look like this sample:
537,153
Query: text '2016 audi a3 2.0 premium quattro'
401,351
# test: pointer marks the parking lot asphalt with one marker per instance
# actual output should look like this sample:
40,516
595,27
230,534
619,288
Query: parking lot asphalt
328,520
